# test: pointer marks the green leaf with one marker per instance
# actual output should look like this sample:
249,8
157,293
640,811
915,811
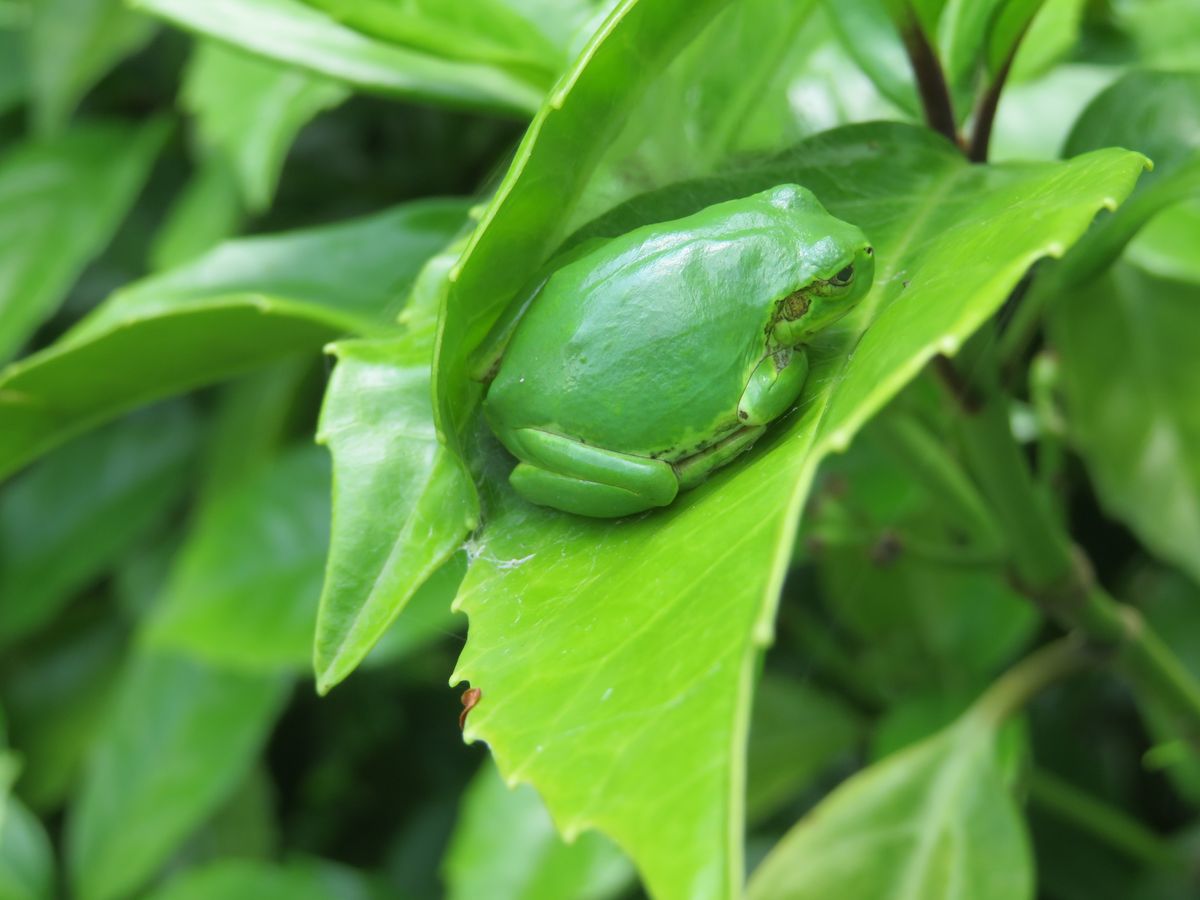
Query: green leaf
72,44
120,482
868,34
249,111
1158,114
1167,32
57,695
928,612
14,75
504,847
796,732
402,505
181,737
427,616
206,211
60,202
1128,343
243,594
236,879
489,31
26,858
247,303
933,821
294,33
640,639
1052,34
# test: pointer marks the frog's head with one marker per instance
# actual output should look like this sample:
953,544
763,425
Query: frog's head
835,272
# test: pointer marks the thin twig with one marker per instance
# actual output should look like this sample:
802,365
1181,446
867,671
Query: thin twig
931,80
985,113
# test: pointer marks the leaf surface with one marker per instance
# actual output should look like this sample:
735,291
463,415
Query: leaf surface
249,110
243,595
1128,343
71,45
934,822
504,847
236,879
179,739
627,705
292,32
246,303
63,522
61,199
401,504
26,858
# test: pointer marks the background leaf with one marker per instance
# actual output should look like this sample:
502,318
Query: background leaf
72,44
505,848
1137,425
243,595
932,821
180,738
60,202
26,858
108,490
796,732
249,110
238,879
292,32
247,303
615,626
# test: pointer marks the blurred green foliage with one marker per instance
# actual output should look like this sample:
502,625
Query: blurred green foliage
246,250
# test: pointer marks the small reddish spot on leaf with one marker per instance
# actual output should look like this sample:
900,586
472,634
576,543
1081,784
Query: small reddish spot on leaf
470,698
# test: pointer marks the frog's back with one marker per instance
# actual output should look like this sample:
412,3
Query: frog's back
647,346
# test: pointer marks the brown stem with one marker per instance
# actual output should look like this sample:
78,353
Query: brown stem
931,80
985,114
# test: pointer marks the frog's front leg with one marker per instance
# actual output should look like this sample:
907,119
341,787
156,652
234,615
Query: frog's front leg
773,387
579,478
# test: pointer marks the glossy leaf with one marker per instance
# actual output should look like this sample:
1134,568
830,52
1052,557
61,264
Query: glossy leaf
732,91
1137,424
492,31
505,847
236,879
243,593
247,303
401,504
182,735
26,858
60,202
72,44
657,623
249,110
294,33
933,821
121,482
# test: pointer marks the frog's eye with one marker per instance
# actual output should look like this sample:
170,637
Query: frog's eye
843,277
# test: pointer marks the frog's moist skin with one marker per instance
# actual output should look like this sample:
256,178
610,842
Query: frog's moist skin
644,363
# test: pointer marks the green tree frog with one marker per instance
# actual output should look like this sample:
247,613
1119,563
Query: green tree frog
644,362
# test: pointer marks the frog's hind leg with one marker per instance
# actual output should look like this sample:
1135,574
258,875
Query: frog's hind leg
694,469
579,478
